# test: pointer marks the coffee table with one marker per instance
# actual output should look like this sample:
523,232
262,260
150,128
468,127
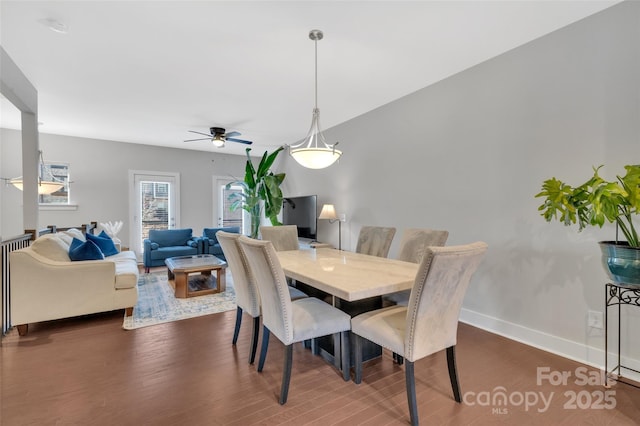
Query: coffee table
182,270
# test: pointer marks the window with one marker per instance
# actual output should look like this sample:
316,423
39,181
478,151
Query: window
161,190
57,172
155,206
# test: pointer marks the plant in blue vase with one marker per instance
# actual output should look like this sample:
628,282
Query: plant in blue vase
598,201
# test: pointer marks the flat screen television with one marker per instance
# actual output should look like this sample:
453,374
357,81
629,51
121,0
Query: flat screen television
303,212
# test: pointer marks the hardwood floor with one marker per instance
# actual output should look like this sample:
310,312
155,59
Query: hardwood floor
89,371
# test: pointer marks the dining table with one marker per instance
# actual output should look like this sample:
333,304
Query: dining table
354,282
347,275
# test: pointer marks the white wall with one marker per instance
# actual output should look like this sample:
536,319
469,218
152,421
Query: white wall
99,172
469,153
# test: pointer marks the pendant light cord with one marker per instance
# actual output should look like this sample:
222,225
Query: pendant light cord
315,42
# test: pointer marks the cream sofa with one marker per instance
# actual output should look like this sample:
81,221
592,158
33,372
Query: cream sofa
47,285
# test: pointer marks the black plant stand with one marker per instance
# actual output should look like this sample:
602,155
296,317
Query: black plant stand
617,294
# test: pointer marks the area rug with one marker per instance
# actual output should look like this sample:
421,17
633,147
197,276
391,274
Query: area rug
157,303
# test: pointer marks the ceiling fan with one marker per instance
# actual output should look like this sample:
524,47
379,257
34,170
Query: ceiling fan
219,136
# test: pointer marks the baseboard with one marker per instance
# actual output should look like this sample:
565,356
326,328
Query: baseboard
575,351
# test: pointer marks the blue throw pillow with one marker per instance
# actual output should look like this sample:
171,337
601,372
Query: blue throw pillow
105,235
104,242
84,250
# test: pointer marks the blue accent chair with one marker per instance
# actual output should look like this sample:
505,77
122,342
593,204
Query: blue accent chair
209,241
165,243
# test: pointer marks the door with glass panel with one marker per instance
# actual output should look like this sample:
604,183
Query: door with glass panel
226,217
155,199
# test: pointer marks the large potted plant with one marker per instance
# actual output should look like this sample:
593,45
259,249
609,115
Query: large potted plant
598,201
260,186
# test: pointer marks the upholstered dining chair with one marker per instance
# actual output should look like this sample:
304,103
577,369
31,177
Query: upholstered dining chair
283,237
247,294
429,323
375,240
413,246
291,321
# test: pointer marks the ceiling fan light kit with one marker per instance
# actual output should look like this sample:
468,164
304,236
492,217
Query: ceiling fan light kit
314,152
218,141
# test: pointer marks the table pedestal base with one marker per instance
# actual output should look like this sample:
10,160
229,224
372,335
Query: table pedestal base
327,346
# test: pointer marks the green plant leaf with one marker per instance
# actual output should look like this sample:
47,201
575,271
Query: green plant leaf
595,202
260,185
558,201
267,162
249,172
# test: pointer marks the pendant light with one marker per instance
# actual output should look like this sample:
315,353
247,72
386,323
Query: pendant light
314,152
45,186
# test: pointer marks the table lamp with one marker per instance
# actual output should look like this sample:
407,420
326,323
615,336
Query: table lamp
329,212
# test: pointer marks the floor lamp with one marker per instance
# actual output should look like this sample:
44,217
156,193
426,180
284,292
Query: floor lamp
329,212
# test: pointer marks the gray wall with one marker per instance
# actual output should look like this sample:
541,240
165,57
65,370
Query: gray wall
467,154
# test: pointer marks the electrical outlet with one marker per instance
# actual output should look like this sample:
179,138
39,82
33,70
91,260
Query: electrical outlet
595,319
342,217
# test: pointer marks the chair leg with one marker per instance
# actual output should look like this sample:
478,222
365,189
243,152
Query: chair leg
357,359
346,355
411,392
337,350
254,339
265,346
453,372
399,359
236,331
286,373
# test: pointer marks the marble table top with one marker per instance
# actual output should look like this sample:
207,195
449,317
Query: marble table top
349,276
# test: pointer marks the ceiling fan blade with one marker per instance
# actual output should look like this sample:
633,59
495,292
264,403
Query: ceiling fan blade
239,141
200,139
200,133
232,134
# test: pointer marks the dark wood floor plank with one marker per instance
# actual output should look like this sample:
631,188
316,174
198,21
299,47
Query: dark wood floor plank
90,371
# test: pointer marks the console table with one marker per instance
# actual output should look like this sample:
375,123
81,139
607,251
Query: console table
617,294
307,244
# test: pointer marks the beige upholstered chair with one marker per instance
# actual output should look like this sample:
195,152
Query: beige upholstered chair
413,246
375,240
247,294
283,237
415,241
430,323
291,321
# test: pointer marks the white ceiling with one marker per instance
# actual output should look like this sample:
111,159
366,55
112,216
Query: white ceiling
148,71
